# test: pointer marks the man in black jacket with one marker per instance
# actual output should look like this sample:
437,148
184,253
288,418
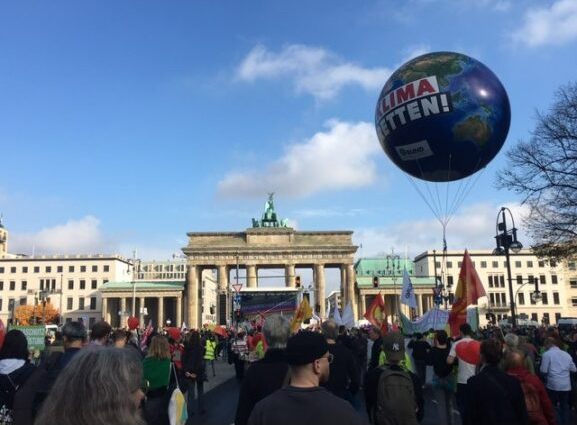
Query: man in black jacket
304,401
492,396
375,336
267,375
344,376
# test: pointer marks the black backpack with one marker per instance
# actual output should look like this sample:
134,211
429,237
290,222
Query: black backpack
10,385
26,403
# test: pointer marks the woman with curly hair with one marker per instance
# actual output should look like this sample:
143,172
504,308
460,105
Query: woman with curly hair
97,387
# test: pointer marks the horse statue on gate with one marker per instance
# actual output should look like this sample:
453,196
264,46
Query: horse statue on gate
269,217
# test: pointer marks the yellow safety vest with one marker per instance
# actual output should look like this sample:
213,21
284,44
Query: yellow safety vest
405,363
209,350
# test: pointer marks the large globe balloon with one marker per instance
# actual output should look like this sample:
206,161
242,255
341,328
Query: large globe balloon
442,116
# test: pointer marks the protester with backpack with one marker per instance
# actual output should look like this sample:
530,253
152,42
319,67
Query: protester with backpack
15,369
393,395
443,379
539,406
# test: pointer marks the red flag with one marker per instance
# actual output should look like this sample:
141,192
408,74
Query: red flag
376,313
469,290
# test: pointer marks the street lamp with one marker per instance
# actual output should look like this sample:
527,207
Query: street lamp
506,242
394,269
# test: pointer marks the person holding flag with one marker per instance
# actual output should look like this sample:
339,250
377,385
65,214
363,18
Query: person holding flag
469,290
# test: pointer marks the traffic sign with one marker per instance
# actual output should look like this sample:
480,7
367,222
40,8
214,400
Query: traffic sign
237,287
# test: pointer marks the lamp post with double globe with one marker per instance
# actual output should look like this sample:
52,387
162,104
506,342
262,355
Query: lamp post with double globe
507,241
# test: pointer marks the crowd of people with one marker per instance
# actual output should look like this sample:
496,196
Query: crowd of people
325,375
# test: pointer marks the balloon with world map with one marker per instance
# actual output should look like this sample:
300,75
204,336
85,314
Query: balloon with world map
442,116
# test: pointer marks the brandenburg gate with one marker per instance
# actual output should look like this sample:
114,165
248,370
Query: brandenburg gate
269,244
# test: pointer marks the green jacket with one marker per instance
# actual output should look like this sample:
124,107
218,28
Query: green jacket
156,372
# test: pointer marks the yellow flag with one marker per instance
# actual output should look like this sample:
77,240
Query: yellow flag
302,313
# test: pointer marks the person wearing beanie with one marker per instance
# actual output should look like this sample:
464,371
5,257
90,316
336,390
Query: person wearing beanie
303,400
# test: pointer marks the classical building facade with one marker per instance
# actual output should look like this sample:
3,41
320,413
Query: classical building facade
267,247
557,283
385,276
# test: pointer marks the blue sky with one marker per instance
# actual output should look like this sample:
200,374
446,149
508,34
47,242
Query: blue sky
126,124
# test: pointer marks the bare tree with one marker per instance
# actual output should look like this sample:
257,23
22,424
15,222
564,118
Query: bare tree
544,171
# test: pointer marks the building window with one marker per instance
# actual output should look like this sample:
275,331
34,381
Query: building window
557,317
1,304
82,284
107,268
1,269
521,299
104,281
12,269
573,283
82,269
530,278
70,269
490,281
571,265
69,302
12,285
92,303
459,264
541,263
544,298
518,264
449,264
532,301
502,281
94,284
542,279
449,280
95,269
24,269
554,279
574,302
91,322
495,264
24,285
1,285
22,301
80,303
48,269
534,317
59,269
546,318
70,284
529,264
519,279
36,269
556,298
483,264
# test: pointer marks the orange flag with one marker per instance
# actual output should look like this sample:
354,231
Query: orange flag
376,313
469,290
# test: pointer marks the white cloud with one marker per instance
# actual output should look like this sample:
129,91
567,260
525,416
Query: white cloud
314,70
555,25
75,237
473,228
339,158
